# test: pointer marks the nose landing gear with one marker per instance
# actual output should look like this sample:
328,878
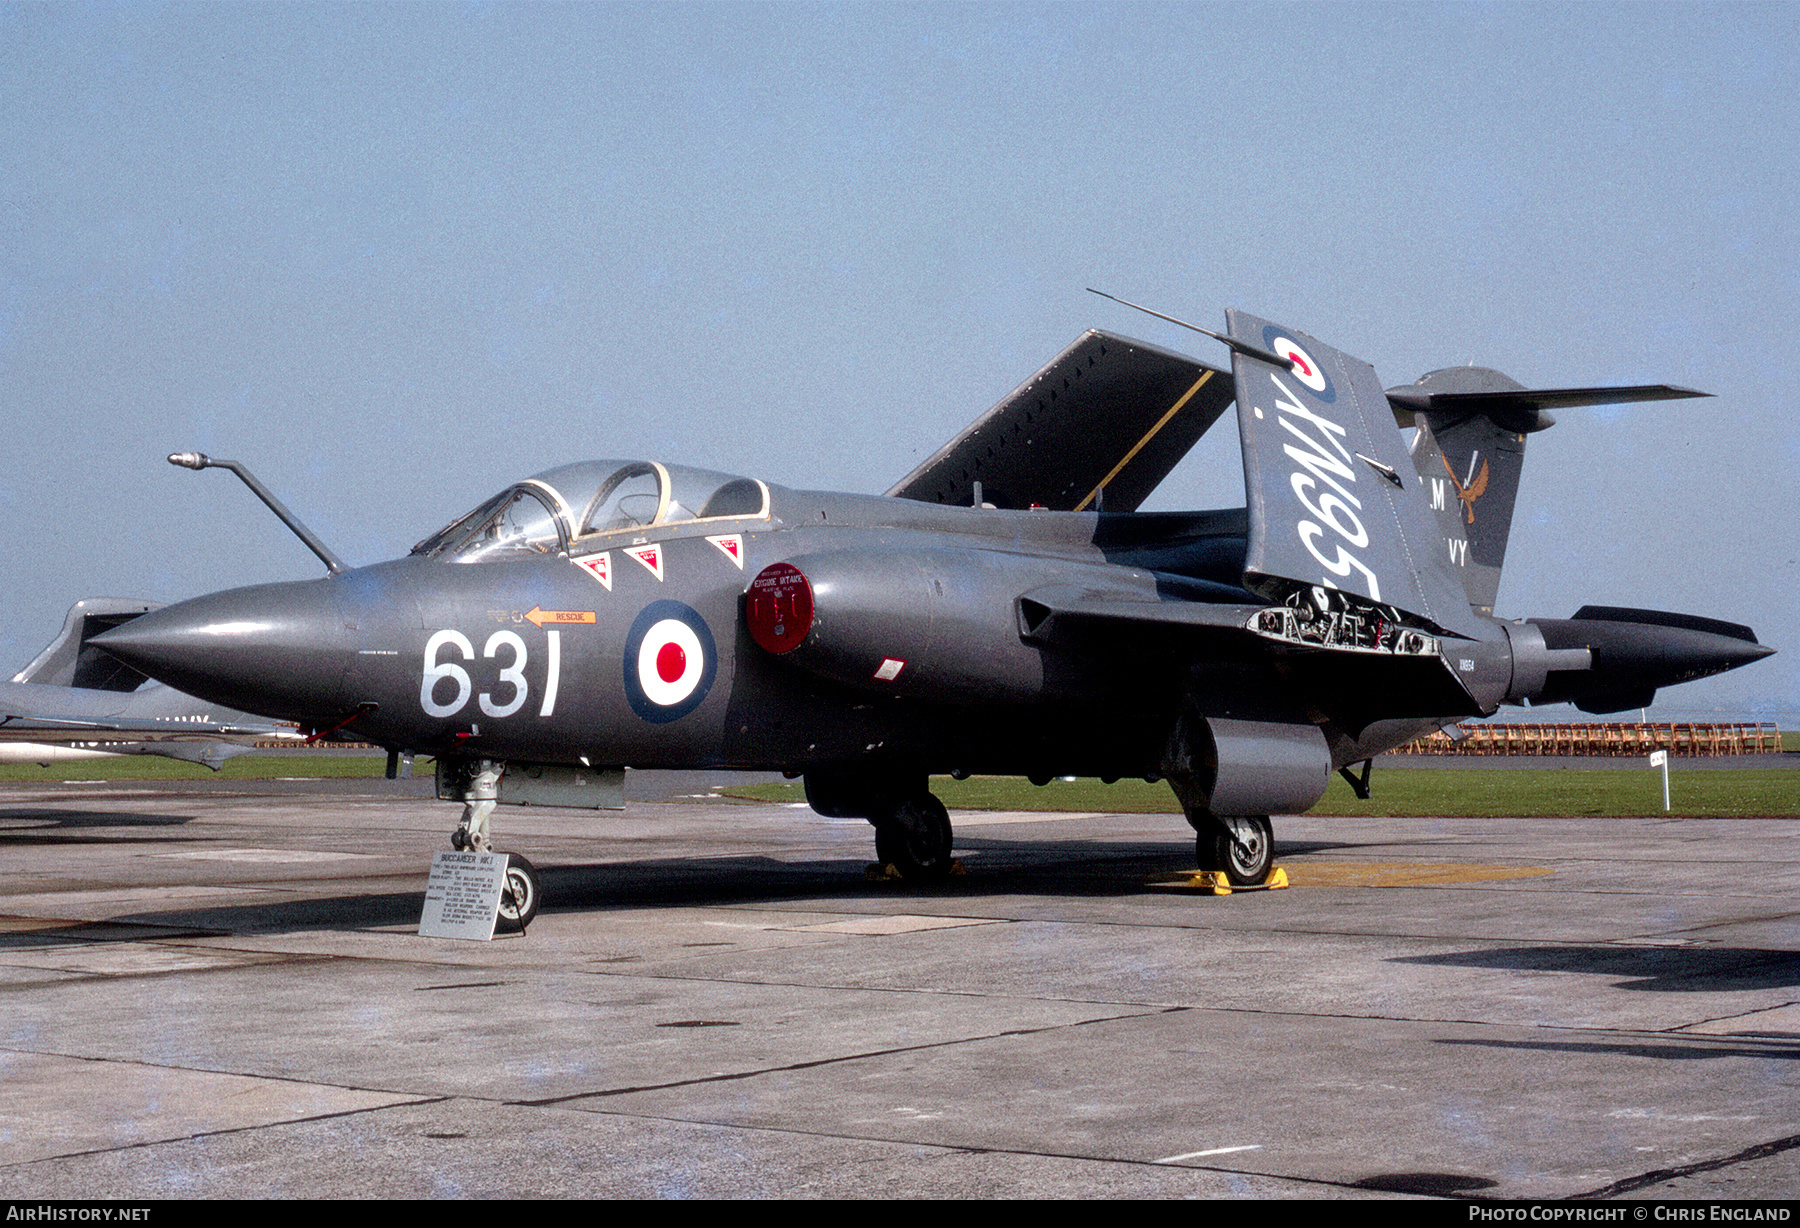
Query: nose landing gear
519,896
476,784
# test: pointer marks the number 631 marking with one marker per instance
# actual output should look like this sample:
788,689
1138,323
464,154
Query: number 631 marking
513,675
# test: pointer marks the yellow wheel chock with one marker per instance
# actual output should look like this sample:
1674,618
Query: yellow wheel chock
1216,882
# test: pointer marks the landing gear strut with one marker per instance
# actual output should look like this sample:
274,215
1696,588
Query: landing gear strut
1242,845
476,784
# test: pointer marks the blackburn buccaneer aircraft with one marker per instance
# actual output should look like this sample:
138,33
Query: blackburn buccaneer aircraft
1004,609
75,702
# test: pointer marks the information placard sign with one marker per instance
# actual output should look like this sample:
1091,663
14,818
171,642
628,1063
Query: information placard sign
462,898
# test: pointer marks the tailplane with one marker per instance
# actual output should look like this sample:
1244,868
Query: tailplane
1470,450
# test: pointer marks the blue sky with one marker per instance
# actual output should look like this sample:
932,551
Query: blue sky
396,256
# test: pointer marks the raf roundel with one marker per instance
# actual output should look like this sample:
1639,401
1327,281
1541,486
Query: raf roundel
1304,368
669,662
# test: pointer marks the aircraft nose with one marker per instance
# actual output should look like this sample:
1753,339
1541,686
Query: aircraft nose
278,650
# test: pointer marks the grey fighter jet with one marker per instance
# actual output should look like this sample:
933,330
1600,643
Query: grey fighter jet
1004,609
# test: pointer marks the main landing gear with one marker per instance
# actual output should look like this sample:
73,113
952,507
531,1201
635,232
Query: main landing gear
915,837
912,828
1242,845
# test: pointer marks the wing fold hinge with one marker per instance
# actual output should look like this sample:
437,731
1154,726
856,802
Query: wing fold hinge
1322,618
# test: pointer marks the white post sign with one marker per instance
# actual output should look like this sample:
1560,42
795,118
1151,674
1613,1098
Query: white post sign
462,897
1660,758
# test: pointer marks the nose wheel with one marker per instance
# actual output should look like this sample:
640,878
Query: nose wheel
519,896
476,784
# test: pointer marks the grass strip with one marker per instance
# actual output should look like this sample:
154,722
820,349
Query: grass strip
1474,793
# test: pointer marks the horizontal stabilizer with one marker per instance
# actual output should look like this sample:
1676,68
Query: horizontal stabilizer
1470,450
1099,428
1524,405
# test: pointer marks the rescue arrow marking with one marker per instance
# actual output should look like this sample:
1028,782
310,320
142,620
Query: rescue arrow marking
539,617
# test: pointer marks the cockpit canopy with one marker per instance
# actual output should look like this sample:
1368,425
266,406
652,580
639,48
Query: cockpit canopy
569,507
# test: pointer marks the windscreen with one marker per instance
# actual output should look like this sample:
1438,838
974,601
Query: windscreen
515,523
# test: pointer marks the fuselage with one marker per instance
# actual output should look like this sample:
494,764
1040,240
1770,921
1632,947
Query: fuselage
632,614
627,645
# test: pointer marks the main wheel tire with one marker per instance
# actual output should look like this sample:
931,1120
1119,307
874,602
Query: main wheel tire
1241,845
520,896
916,838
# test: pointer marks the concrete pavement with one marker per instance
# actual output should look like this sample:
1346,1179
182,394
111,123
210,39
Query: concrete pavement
221,991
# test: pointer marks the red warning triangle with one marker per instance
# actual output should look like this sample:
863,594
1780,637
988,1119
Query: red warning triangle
733,546
598,566
650,556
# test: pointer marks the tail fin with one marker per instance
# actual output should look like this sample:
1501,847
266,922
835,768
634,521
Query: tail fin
1470,450
1470,457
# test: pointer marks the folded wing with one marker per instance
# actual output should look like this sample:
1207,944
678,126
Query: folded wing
1097,429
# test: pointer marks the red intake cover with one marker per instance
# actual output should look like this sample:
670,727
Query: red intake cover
779,608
